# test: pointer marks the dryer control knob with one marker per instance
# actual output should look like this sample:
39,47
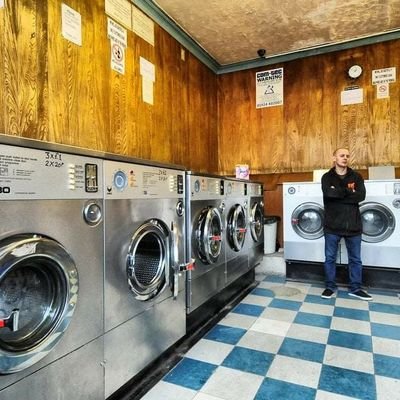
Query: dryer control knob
396,203
120,180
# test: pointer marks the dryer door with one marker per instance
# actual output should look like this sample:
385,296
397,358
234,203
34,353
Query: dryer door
378,222
209,235
149,261
256,221
308,221
237,227
38,294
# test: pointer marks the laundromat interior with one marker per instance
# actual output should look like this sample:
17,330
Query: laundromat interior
162,217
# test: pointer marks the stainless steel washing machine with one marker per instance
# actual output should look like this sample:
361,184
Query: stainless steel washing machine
255,236
51,275
144,262
236,253
205,204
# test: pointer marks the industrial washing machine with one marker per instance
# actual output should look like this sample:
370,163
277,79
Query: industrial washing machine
303,222
380,215
236,253
51,275
255,236
144,267
205,207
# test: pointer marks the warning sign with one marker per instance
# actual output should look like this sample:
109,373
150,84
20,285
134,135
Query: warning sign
117,57
384,75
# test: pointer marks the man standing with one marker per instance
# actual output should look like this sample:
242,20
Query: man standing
343,189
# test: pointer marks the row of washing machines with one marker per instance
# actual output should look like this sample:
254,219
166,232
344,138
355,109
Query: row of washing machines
380,214
103,261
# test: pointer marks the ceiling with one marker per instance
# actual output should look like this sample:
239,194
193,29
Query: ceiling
231,31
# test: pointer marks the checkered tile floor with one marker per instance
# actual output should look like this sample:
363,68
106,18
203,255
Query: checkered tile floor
284,342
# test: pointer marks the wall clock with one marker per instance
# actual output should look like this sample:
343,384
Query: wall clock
354,71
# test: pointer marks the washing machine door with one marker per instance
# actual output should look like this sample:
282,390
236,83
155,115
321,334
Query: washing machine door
378,222
208,234
237,227
256,221
38,295
149,260
308,221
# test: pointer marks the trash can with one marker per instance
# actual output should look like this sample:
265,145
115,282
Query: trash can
270,230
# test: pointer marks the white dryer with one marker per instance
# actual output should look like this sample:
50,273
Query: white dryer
144,284
303,222
51,275
380,214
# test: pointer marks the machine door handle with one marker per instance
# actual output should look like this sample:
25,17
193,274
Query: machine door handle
10,322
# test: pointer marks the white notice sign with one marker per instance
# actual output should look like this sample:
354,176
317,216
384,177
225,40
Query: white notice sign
352,96
147,69
120,10
142,25
269,88
117,33
384,75
71,24
1,3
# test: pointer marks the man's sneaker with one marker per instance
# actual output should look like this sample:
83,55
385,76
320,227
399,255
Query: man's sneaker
327,294
360,294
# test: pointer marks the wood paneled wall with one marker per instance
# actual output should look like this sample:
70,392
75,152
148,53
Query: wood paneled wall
301,135
56,91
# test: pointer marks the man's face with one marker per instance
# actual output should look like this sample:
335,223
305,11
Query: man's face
341,158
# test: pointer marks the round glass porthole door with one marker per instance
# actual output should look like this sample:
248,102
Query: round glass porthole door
308,221
378,222
148,260
209,235
256,222
38,294
237,227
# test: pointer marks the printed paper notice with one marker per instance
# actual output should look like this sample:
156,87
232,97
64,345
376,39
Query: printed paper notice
120,10
269,88
384,75
352,96
147,69
142,25
117,57
1,3
117,33
147,90
71,24
382,91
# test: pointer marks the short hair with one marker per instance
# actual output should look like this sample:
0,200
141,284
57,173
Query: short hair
340,148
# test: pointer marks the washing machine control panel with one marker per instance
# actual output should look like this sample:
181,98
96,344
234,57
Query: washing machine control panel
236,188
136,181
206,188
27,173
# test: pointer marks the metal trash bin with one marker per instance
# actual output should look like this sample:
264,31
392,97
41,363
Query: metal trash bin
270,231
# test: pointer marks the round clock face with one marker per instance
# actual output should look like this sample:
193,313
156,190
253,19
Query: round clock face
354,71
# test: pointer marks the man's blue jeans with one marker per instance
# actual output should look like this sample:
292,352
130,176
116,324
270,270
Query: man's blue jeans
353,245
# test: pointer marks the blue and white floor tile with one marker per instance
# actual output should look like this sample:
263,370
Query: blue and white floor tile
283,341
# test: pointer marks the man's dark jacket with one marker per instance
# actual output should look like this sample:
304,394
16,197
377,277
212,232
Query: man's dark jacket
342,195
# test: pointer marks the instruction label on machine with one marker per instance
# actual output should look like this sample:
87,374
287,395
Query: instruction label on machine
40,174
